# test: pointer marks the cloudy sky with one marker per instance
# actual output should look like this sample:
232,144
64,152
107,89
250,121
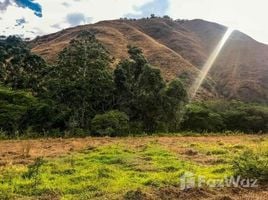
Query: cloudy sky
37,17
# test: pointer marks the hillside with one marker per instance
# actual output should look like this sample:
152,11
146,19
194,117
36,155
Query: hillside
241,70
180,48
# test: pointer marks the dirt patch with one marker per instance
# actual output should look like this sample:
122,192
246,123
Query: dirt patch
191,152
175,193
25,151
190,194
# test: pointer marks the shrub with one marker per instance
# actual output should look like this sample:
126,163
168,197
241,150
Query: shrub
199,118
252,165
112,123
34,172
226,115
246,117
136,127
46,116
13,106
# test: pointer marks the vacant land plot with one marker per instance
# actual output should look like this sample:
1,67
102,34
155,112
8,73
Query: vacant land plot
125,168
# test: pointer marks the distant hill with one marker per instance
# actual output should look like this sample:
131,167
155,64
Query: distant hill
180,48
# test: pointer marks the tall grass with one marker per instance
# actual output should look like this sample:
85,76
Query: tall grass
250,164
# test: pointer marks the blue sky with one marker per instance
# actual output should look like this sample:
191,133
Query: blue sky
157,7
30,4
30,18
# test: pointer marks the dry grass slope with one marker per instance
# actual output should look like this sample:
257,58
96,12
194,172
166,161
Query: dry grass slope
179,48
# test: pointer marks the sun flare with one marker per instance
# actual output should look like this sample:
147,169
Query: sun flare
211,60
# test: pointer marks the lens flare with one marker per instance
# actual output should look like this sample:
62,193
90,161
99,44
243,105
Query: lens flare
203,74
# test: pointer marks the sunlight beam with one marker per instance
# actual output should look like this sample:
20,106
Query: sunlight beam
203,73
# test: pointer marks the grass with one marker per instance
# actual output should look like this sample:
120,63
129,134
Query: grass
113,170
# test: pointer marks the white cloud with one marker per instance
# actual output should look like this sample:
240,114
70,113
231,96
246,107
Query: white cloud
55,14
249,16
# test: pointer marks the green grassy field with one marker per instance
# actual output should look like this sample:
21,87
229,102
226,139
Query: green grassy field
121,167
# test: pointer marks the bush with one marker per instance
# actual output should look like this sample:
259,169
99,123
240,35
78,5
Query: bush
46,116
112,123
13,106
252,165
21,111
136,127
246,117
199,118
214,116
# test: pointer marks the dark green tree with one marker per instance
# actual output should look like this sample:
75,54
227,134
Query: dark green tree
81,80
112,123
13,106
142,93
19,68
201,119
174,100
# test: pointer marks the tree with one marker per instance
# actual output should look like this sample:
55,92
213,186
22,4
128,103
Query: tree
126,78
81,80
167,17
223,115
13,106
112,123
142,93
20,69
199,118
174,100
45,115
153,16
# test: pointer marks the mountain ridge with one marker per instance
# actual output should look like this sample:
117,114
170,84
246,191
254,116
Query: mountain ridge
179,49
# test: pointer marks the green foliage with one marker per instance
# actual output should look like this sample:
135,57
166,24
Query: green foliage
81,81
252,165
143,94
13,107
108,172
19,68
246,117
33,172
20,110
174,100
112,123
65,97
199,118
45,115
226,115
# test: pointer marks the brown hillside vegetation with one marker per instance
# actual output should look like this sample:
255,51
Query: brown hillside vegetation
241,71
180,48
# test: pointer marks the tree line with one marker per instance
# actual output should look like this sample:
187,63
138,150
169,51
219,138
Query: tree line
80,94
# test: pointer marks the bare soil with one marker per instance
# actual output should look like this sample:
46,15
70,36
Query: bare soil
24,152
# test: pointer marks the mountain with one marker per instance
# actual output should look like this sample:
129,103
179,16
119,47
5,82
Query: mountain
180,48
